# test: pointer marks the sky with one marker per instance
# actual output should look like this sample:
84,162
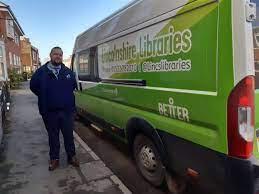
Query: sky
50,23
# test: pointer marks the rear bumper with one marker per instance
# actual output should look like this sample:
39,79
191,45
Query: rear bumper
218,172
255,165
241,176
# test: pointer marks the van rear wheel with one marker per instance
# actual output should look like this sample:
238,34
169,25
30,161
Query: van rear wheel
148,160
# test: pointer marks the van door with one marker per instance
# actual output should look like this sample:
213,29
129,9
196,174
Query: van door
85,67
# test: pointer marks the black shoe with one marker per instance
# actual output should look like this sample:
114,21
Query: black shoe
74,161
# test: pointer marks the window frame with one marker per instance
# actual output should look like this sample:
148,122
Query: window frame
10,28
1,54
93,75
94,64
83,76
2,63
10,58
14,59
256,40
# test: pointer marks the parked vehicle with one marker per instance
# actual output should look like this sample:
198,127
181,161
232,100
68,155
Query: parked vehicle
175,81
4,89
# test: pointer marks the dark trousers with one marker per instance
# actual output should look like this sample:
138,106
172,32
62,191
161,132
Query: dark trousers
54,122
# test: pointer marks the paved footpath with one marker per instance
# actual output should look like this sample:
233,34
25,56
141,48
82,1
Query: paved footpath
24,158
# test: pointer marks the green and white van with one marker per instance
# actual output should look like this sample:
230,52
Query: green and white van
174,79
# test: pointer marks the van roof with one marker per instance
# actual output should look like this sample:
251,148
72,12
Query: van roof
133,14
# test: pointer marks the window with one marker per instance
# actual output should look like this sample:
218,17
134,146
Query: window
83,66
20,61
14,59
16,38
1,62
10,28
10,58
2,73
1,55
257,39
86,65
33,55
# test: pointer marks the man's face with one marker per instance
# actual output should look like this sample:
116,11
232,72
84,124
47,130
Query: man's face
56,56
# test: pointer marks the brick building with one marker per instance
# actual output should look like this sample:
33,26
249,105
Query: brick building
29,56
10,33
256,44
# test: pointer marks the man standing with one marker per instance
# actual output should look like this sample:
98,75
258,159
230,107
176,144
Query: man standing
54,84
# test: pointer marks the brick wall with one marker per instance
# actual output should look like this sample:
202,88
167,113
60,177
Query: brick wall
30,56
10,46
26,55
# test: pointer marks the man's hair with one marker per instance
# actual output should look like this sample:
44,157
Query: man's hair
54,48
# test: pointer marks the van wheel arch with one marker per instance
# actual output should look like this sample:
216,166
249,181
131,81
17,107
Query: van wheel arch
137,126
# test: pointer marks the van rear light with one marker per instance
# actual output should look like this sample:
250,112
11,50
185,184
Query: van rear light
241,119
245,125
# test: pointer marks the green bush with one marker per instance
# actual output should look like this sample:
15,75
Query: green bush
15,78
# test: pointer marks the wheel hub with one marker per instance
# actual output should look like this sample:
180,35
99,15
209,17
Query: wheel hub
147,158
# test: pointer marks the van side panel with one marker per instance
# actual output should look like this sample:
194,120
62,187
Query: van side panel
183,100
170,54
186,104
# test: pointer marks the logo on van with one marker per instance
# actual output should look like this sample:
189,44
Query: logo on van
171,43
173,111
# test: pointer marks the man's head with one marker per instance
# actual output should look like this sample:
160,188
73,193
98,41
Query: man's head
56,55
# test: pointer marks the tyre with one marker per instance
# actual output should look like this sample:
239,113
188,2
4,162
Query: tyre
148,160
176,184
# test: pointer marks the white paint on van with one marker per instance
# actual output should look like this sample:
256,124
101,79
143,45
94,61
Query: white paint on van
127,20
88,84
173,111
243,53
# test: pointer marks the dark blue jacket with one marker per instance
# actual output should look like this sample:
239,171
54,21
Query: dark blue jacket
54,94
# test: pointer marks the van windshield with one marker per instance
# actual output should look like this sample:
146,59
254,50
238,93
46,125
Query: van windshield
256,44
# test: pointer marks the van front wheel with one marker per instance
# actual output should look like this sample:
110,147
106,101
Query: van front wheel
148,160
